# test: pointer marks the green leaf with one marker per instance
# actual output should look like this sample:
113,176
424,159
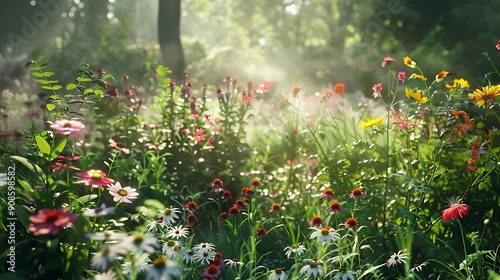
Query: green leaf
57,87
88,91
84,199
83,80
34,68
31,166
43,82
28,64
70,86
43,145
37,74
48,74
154,204
43,65
39,58
58,148
50,107
98,92
48,87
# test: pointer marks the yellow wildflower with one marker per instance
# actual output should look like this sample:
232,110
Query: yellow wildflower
409,62
417,76
371,122
416,95
486,95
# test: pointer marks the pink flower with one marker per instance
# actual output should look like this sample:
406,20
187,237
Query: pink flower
327,193
401,76
388,61
264,87
455,209
498,45
94,178
377,88
211,272
68,127
48,221
199,135
115,145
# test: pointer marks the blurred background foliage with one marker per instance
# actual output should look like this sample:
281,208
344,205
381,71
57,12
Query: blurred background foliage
308,42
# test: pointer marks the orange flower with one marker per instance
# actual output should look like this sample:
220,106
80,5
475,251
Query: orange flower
295,91
463,116
443,74
339,88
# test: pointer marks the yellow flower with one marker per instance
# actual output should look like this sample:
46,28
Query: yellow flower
458,83
417,76
371,122
443,74
408,62
416,95
487,94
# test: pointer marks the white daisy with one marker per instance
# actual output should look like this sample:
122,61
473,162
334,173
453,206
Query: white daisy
204,247
187,258
141,262
177,232
169,215
233,262
277,274
295,249
108,275
397,258
419,267
108,235
170,246
144,243
342,274
313,268
140,213
104,258
206,257
164,269
99,211
120,194
325,235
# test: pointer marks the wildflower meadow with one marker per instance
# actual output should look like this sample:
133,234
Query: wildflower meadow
113,176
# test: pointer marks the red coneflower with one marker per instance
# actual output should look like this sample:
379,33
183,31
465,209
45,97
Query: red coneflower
316,221
191,206
226,194
352,223
338,88
240,204
255,183
455,210
191,219
217,185
248,192
211,272
357,193
224,215
233,211
335,207
327,193
275,207
261,232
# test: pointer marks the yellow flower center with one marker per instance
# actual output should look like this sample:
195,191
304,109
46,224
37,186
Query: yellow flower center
67,124
325,231
122,192
167,212
96,175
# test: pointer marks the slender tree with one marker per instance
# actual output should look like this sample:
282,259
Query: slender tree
169,14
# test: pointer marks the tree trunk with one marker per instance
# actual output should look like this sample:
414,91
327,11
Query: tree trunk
169,15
